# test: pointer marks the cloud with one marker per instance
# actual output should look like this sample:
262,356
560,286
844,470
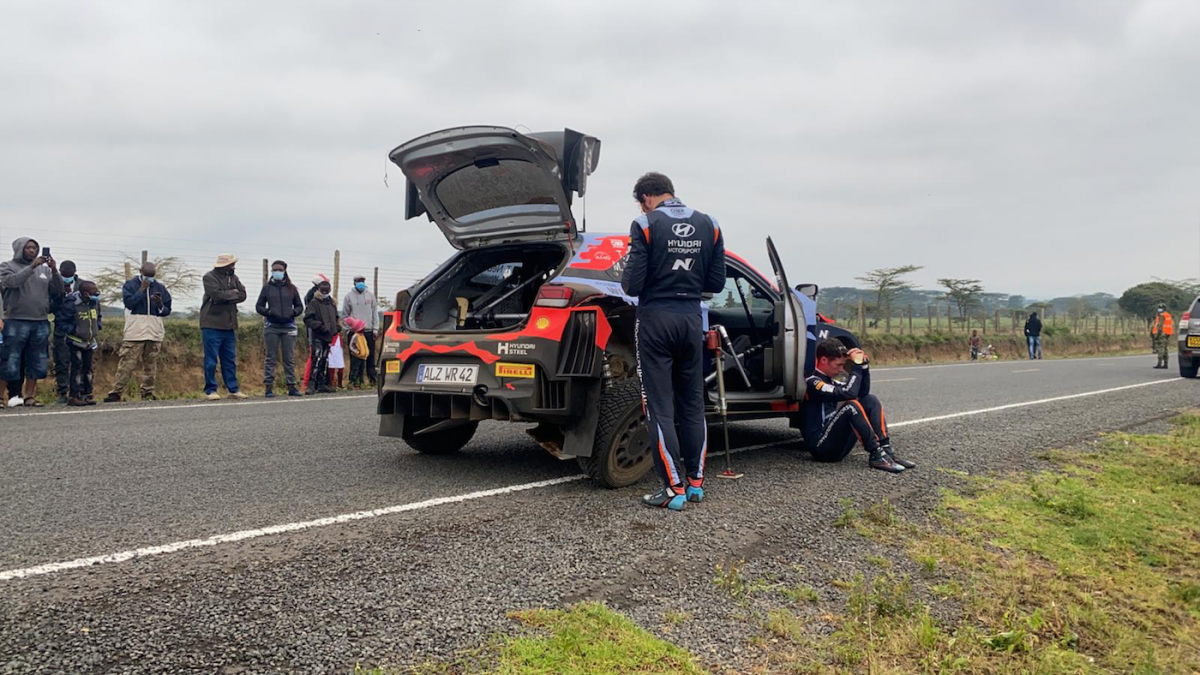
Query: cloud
1046,148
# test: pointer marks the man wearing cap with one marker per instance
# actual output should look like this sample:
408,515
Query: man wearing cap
1160,335
147,301
58,307
223,291
361,304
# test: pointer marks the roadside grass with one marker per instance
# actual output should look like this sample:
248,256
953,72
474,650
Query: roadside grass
1089,567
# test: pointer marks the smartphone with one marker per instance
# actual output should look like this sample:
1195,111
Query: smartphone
45,251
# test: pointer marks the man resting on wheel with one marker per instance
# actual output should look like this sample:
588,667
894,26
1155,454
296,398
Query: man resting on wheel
836,415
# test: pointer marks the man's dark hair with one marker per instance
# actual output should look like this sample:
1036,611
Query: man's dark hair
831,349
652,184
66,268
88,284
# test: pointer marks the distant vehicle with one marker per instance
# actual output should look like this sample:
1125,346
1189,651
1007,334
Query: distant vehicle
1189,341
527,322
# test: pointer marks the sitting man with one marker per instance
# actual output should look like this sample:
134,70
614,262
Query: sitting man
835,415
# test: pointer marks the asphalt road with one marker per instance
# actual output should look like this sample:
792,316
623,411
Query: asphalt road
429,578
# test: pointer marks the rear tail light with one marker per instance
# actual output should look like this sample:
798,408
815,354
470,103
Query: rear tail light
554,296
1187,316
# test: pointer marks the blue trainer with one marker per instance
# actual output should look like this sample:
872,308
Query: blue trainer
270,393
666,498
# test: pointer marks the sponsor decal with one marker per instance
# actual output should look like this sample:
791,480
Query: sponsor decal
542,323
525,370
820,384
393,366
683,229
684,264
514,348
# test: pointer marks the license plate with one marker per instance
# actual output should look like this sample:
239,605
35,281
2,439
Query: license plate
446,374
525,370
393,366
1193,341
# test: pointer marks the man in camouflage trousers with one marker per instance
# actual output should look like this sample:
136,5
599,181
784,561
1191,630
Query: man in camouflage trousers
1160,334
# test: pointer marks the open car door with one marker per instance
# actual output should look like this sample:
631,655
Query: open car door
792,342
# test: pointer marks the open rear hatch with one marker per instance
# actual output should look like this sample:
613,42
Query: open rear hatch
486,185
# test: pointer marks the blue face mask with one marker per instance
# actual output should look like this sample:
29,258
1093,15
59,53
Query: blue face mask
277,275
68,280
95,298
361,285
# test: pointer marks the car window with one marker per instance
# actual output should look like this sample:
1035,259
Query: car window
730,298
474,190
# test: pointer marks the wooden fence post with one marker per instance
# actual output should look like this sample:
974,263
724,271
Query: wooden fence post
266,271
128,271
910,319
862,316
145,257
928,318
375,286
337,273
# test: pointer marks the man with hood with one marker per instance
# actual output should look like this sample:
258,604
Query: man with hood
223,291
29,283
1033,335
146,301
60,309
361,304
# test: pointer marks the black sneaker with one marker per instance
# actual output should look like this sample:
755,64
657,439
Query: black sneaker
883,462
891,454
292,391
63,400
326,389
666,498
112,398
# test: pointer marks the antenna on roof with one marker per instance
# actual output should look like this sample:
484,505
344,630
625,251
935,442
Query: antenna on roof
584,228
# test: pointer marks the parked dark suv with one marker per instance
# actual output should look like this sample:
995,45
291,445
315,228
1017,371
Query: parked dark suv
527,322
1189,341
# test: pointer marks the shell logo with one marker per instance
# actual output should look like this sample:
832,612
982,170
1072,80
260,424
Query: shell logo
542,323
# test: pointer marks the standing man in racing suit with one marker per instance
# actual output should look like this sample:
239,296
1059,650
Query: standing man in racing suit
836,415
676,254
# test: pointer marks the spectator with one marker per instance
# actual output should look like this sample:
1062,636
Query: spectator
80,319
146,301
62,355
316,281
279,303
337,362
976,344
29,282
223,291
361,304
1033,335
360,350
321,319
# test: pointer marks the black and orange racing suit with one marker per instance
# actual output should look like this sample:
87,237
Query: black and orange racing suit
835,414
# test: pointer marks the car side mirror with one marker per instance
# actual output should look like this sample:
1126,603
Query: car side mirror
808,290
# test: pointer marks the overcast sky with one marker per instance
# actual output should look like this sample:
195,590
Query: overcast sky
1047,148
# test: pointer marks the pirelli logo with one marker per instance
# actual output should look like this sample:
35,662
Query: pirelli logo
525,370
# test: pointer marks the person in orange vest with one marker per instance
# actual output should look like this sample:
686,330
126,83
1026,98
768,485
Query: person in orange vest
1160,334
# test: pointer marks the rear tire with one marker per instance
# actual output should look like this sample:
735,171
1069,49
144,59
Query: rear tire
445,442
1189,371
621,453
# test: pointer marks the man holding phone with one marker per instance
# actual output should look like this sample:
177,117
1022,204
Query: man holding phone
147,301
29,283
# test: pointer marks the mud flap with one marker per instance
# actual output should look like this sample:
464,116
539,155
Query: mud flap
392,425
580,437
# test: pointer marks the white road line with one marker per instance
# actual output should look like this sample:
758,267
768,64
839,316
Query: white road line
174,547
1025,404
206,404
898,379
1027,370
976,364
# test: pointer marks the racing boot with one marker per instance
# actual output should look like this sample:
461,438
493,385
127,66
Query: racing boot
695,490
667,498
891,454
882,461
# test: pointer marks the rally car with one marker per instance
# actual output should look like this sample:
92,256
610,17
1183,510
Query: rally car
527,322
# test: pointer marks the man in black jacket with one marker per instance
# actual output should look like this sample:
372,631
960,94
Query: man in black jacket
836,415
223,291
1033,335
321,318
59,307
279,304
676,254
